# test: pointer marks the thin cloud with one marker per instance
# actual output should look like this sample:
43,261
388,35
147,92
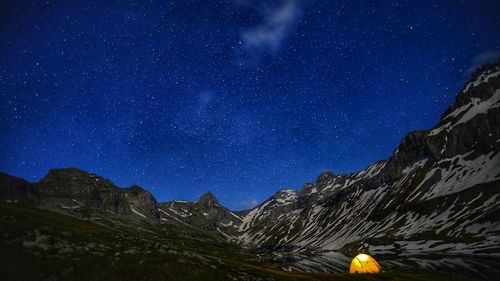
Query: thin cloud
248,204
270,34
483,58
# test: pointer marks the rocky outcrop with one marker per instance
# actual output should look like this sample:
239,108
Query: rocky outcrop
77,192
206,213
141,201
13,188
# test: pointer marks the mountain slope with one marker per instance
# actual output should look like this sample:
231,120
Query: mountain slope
438,193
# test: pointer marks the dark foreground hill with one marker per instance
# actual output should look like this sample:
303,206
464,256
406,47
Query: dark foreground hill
42,245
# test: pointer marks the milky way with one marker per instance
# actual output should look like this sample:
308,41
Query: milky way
237,97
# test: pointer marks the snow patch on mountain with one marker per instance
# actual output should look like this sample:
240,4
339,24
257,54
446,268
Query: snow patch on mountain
467,112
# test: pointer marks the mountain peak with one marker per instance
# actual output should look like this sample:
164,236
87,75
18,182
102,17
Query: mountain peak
136,188
207,199
285,196
66,175
325,177
65,172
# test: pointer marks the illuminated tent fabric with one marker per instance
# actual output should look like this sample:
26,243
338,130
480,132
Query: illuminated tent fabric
364,264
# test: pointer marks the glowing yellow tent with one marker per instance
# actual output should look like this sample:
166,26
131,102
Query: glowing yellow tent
364,264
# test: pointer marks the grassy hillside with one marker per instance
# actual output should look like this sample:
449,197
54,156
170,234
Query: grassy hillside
41,245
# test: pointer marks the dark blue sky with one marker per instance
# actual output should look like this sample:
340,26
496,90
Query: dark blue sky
239,97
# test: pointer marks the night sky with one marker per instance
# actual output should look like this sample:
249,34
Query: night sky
238,97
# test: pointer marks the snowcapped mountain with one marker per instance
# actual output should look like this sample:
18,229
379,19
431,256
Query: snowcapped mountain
438,193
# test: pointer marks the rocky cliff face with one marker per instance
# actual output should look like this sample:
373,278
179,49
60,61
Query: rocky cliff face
206,213
13,188
141,202
77,192
438,193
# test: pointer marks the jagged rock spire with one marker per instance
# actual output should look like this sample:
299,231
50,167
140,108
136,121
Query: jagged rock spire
207,200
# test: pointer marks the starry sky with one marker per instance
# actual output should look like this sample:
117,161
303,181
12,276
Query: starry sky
238,97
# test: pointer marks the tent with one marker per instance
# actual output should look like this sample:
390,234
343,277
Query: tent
364,264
